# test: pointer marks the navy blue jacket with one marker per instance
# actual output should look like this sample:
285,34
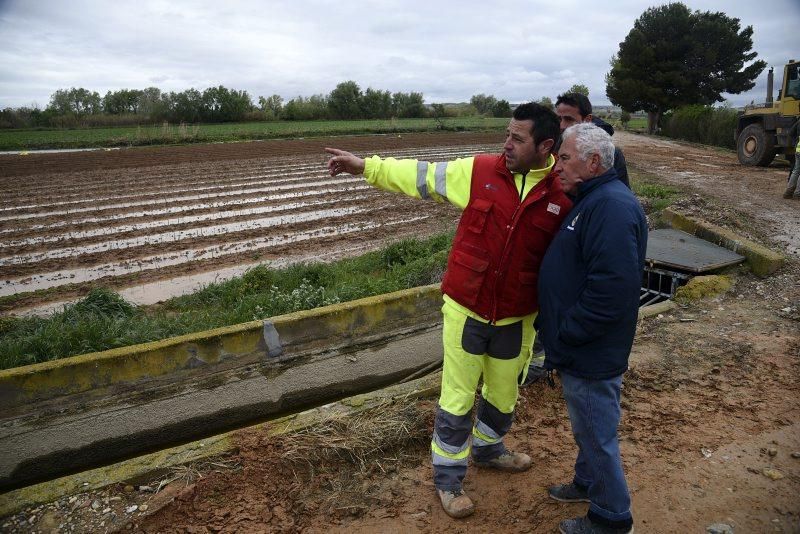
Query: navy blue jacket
590,281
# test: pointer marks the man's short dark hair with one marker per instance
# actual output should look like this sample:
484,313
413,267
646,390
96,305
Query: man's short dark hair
545,121
576,100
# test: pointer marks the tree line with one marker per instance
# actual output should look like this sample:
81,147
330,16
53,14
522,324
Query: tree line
80,107
76,107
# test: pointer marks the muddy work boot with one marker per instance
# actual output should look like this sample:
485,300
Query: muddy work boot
789,193
456,503
569,493
584,525
513,462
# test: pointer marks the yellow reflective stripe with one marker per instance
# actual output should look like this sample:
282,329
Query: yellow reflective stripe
438,451
486,430
451,449
457,181
483,437
397,176
449,181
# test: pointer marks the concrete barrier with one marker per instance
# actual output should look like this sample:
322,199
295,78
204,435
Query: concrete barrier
149,466
73,414
761,261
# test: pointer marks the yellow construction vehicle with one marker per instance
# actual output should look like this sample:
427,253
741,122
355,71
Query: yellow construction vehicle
762,130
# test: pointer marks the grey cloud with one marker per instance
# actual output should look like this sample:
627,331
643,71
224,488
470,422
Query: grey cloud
448,50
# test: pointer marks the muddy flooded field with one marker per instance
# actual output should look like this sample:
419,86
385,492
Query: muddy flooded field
157,222
153,223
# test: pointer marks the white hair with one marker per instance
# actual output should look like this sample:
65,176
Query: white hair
590,139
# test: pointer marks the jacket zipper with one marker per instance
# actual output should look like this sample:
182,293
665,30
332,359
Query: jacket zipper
493,317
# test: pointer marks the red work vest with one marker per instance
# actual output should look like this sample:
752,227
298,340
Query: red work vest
493,266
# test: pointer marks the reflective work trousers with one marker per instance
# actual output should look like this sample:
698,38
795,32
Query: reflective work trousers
472,349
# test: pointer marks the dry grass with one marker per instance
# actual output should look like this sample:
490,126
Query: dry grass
194,471
344,464
365,440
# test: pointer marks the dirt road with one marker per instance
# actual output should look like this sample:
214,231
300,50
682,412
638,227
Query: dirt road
710,431
716,174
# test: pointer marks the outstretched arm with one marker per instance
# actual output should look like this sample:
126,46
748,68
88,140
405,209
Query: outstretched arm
343,161
443,181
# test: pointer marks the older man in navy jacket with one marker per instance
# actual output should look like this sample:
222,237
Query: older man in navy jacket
589,286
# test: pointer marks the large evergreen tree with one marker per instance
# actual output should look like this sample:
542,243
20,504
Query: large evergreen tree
674,57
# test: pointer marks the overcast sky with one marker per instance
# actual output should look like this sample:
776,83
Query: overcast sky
449,50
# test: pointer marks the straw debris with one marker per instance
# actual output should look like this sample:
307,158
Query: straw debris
367,440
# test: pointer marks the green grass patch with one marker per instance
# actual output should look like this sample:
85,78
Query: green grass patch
103,320
37,139
653,195
636,123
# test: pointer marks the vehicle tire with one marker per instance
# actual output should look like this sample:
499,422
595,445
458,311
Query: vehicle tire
755,146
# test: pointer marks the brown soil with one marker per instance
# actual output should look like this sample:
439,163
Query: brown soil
710,431
716,175
54,196
32,163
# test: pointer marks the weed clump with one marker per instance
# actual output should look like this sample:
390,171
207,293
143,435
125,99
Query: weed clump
102,302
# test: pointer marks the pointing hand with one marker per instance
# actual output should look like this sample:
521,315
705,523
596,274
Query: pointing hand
343,161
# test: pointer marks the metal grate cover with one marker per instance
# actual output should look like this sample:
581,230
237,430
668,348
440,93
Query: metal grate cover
679,250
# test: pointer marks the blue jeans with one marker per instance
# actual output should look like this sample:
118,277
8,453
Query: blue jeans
594,413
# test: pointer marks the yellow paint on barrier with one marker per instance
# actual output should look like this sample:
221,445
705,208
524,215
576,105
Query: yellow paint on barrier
95,371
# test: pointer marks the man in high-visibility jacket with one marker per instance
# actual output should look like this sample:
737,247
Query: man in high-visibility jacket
513,205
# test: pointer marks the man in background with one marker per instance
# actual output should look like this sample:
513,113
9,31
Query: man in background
575,108
793,186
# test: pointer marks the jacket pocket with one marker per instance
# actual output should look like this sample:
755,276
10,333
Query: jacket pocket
469,271
478,214
528,289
